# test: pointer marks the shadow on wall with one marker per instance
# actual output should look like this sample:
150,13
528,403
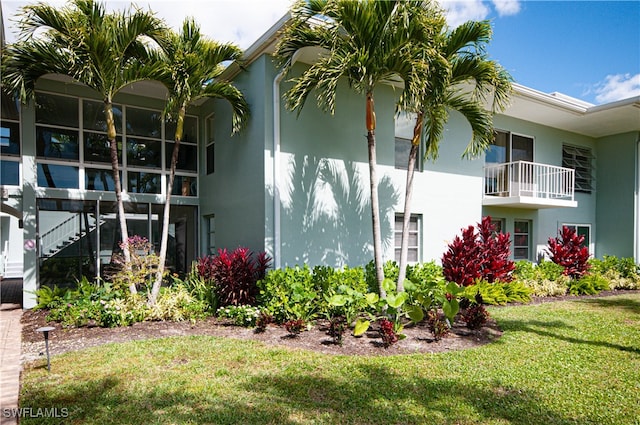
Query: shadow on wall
326,210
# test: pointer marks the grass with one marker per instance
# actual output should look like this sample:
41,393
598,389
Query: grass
574,362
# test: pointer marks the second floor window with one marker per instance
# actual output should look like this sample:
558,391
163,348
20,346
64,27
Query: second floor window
579,158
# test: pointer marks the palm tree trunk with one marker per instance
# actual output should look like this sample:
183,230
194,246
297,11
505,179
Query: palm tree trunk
404,245
111,135
164,241
375,205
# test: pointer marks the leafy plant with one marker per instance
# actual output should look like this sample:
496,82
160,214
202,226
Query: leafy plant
294,327
242,315
589,284
264,319
143,265
437,325
338,325
50,297
390,269
388,332
568,251
289,294
475,316
481,255
198,287
177,304
234,274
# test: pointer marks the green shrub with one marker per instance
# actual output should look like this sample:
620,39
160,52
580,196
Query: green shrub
545,279
549,270
517,292
524,270
50,297
123,311
589,284
198,287
390,269
621,273
491,293
176,304
288,294
242,315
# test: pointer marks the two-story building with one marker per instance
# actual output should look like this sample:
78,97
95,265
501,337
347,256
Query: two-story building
297,185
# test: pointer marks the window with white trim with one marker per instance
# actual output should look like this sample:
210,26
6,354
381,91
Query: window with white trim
581,230
579,159
521,240
413,251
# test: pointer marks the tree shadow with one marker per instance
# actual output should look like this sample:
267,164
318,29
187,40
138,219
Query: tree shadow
112,400
368,394
539,328
377,395
629,305
326,213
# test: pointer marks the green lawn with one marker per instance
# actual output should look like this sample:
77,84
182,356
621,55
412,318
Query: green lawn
574,362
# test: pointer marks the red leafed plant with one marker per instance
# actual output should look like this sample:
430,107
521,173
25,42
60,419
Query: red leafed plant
388,333
568,251
483,255
234,274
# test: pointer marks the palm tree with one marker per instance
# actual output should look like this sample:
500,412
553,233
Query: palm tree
464,81
106,52
366,44
192,65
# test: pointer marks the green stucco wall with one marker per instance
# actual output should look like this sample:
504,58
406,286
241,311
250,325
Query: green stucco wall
616,190
234,193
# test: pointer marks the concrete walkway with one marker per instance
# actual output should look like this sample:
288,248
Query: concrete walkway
10,365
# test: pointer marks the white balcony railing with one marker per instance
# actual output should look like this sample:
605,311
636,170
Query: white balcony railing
528,179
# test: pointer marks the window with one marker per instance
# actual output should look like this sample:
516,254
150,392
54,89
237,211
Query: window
521,239
211,234
580,160
509,147
413,252
210,145
9,141
73,150
403,146
582,230
188,152
498,224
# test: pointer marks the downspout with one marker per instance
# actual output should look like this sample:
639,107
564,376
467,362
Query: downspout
276,169
636,212
277,249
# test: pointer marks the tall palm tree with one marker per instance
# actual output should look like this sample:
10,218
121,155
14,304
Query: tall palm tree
366,44
192,65
465,81
104,51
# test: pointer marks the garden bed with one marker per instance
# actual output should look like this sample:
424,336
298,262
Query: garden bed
419,339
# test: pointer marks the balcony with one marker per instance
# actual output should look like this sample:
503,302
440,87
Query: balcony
525,184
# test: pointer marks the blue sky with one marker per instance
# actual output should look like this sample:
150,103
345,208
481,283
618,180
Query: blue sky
585,49
589,50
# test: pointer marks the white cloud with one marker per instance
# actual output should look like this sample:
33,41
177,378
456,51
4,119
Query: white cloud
617,87
238,21
460,11
507,7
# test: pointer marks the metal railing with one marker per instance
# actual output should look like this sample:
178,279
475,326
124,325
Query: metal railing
66,233
523,178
